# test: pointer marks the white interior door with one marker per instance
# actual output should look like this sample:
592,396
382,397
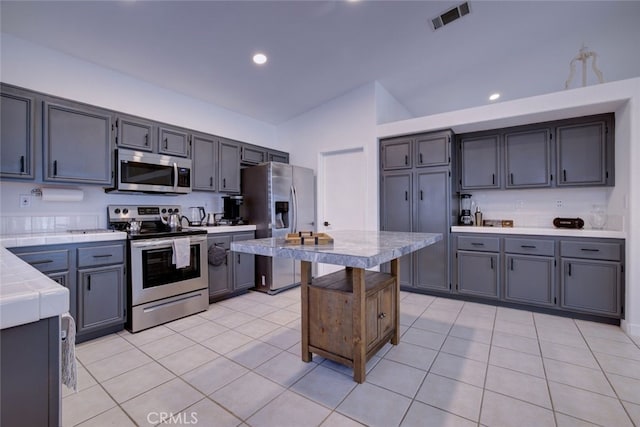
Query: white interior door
342,194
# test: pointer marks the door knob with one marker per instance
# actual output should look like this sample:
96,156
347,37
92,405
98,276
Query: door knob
326,223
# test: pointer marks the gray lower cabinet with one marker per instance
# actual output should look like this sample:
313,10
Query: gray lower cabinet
228,166
17,127
77,144
580,275
220,278
478,273
432,216
94,273
244,265
529,279
134,133
205,165
592,276
229,272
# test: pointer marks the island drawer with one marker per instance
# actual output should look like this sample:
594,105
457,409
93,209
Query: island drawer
473,243
47,261
529,246
101,255
590,250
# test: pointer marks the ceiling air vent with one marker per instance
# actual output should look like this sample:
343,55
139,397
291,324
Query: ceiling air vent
450,15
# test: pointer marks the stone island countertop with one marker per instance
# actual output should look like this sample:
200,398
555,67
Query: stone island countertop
357,248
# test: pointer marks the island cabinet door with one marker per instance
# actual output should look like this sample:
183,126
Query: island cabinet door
380,311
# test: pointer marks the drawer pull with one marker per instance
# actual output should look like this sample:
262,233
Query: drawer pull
103,256
43,261
477,244
528,246
590,250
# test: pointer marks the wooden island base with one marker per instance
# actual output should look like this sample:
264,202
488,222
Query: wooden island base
349,315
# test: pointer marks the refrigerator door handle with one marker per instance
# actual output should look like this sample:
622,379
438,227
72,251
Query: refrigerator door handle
294,223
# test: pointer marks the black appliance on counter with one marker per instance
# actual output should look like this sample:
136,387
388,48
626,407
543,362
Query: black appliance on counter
160,290
231,214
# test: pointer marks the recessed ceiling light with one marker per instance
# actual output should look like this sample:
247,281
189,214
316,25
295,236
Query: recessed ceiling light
259,58
494,96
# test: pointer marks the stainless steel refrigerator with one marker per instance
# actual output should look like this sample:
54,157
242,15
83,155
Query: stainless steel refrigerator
278,198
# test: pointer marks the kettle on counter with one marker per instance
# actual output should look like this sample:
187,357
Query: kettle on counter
172,221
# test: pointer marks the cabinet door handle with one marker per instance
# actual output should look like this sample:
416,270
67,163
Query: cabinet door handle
238,258
406,160
569,265
420,194
511,264
589,250
491,262
89,282
528,246
166,143
21,164
406,195
564,175
224,182
146,139
42,261
210,181
511,178
55,167
421,158
493,178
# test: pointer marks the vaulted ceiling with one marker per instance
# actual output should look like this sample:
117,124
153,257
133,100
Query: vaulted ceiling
321,49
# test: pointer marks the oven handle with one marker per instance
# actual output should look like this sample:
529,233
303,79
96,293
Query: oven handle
144,244
175,175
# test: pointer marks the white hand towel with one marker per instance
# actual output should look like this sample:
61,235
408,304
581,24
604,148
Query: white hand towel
181,252
68,350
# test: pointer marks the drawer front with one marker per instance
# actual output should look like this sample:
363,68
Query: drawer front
591,250
100,255
473,243
221,241
529,246
47,261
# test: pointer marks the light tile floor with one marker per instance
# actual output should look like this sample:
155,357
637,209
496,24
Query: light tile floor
458,364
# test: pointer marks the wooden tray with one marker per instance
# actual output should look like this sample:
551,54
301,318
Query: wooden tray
308,238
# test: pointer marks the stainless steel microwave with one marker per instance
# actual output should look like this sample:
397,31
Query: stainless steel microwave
150,172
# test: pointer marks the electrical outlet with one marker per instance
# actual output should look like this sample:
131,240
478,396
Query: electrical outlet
25,200
558,203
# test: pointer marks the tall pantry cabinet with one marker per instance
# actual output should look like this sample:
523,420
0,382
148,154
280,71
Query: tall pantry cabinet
416,194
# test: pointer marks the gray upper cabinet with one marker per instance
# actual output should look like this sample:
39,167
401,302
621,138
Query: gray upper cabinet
17,112
396,153
480,162
585,152
252,155
205,148
136,134
228,166
174,142
527,157
77,144
432,149
277,156
432,216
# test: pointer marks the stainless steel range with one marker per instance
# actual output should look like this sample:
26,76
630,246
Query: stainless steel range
161,287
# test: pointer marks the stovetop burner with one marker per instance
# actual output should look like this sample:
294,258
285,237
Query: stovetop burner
152,227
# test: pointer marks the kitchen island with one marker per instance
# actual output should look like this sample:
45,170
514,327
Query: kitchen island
347,316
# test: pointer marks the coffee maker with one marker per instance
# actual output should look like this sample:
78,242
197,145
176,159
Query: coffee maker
466,217
232,209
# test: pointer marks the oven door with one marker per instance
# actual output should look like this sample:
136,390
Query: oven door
154,276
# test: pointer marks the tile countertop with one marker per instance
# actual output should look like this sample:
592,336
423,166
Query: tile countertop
26,295
57,238
542,231
361,249
229,228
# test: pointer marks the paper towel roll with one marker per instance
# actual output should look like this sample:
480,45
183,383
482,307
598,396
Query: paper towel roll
61,195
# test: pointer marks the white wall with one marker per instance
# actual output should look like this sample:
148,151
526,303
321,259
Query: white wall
623,201
38,68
